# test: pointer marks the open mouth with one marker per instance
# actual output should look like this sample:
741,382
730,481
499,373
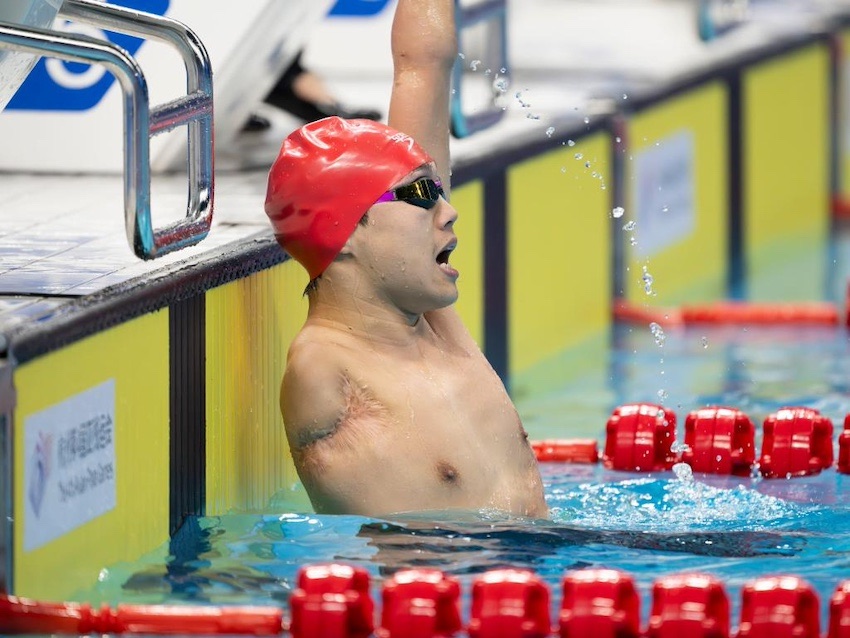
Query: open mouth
443,257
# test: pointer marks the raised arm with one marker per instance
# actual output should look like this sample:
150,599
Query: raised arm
424,48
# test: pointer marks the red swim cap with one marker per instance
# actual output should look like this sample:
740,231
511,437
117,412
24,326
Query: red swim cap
327,175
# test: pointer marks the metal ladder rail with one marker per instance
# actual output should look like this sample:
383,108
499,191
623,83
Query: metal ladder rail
195,110
464,125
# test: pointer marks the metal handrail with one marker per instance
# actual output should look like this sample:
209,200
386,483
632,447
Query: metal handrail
141,122
464,125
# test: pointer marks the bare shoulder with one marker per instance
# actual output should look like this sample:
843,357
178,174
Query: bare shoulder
311,398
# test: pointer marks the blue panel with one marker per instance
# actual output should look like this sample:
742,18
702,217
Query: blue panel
358,7
55,85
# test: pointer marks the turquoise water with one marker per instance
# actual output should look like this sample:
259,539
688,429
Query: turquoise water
646,524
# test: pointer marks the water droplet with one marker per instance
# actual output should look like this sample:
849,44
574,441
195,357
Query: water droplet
461,56
683,472
629,225
474,65
578,156
503,70
571,142
658,333
532,116
625,96
501,84
587,164
586,120
677,447
664,209
662,395
488,72
618,212
647,281
704,342
550,131
632,241
563,169
618,139
103,575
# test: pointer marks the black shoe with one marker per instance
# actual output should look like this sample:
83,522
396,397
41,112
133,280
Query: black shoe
255,124
311,111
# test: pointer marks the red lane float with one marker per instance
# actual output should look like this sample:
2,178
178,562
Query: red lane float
719,441
797,442
599,603
839,611
420,603
509,603
566,451
332,601
844,447
25,616
737,312
693,605
506,603
779,607
639,437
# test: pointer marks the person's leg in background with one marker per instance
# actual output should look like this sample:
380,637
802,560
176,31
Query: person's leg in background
304,95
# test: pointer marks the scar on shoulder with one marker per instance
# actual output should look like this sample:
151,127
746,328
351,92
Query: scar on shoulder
361,416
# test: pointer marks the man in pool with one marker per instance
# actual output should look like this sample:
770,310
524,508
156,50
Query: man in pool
389,404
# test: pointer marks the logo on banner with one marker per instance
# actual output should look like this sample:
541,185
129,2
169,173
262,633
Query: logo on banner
71,464
57,85
664,193
358,7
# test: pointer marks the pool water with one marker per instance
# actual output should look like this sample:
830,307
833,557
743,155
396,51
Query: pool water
647,524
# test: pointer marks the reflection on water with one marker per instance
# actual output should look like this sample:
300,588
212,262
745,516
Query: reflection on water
734,529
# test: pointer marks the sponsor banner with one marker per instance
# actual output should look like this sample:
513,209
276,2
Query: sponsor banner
664,193
69,471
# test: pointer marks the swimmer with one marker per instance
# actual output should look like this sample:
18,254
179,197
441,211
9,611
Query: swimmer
388,403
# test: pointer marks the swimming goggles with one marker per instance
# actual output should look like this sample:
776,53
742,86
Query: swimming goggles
424,193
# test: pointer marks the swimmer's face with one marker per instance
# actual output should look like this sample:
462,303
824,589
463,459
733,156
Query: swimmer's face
406,244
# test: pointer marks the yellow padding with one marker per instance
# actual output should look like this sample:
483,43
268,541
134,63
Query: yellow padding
686,138
842,139
135,356
786,173
250,324
559,250
469,256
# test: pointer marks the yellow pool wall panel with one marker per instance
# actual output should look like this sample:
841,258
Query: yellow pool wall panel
842,133
468,200
250,324
559,250
786,164
134,357
676,188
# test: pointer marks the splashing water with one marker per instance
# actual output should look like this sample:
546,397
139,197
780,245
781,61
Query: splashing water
680,504
618,212
550,131
474,65
501,84
630,225
647,281
658,333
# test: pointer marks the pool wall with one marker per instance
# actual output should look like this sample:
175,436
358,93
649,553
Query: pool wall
185,365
